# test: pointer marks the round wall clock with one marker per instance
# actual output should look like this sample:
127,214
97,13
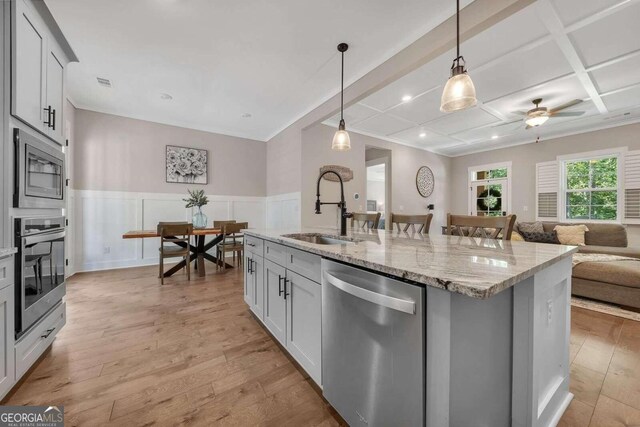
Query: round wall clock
425,181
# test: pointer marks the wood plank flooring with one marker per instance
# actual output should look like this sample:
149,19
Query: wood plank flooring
134,353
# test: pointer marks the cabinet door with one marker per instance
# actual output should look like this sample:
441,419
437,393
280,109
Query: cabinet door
7,361
274,303
29,66
55,94
257,302
304,323
248,279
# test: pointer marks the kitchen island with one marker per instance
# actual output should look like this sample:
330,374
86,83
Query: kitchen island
419,330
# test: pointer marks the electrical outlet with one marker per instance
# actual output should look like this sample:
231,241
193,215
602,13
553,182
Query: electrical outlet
525,208
106,250
401,208
549,311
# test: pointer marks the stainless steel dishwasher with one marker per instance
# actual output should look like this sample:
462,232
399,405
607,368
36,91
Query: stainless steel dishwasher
373,347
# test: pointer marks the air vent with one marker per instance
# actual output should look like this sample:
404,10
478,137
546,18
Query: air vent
104,82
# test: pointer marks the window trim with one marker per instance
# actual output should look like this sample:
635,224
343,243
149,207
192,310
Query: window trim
619,154
472,169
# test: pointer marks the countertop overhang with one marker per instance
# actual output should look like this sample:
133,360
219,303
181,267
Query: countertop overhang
4,252
472,266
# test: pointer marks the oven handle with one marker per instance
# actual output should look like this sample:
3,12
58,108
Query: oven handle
45,237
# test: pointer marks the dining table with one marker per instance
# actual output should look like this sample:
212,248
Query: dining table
199,250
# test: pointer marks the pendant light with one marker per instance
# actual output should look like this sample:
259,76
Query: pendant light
459,92
341,141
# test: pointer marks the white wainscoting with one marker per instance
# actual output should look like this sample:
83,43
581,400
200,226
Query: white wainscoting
101,217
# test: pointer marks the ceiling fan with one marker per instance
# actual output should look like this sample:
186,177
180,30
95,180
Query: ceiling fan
539,115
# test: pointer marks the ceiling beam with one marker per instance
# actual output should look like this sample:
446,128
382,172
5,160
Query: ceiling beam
552,21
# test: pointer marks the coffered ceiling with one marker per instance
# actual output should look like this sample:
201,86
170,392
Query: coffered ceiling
558,50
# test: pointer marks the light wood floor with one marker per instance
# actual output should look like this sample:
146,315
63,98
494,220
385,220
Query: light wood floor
190,353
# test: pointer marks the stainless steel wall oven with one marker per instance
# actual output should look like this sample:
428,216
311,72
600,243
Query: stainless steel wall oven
39,173
40,264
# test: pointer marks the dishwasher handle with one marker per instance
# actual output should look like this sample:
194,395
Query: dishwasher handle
397,304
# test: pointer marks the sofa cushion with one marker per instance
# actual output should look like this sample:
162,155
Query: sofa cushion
611,250
530,227
548,237
599,234
571,234
622,273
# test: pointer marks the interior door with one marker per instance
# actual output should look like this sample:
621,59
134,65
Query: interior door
274,303
489,198
304,323
28,55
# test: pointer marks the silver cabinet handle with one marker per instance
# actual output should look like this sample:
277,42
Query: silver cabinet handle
373,297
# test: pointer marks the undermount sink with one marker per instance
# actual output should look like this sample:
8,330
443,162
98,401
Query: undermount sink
319,239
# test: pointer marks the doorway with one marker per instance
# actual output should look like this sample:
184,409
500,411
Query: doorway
378,195
489,190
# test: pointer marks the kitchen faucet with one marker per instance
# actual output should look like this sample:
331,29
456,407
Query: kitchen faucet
342,205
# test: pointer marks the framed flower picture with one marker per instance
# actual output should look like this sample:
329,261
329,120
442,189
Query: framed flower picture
186,165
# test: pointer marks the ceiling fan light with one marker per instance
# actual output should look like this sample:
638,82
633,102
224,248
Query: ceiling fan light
459,92
536,120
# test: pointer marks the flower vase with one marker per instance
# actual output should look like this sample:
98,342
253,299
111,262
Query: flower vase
199,219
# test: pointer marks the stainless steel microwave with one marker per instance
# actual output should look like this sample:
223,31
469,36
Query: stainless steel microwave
39,173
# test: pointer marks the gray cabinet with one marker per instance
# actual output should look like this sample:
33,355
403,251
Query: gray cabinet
274,300
38,65
292,299
254,284
7,361
304,323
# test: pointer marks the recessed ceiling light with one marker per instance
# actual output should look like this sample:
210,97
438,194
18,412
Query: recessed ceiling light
406,98
166,96
422,135
495,137
246,115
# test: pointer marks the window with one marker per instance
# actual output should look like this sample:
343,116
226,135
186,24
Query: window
489,187
591,188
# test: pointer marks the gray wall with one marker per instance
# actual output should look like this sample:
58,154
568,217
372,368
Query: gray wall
121,154
405,161
524,159
284,168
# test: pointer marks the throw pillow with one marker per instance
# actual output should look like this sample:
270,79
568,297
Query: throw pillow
530,227
515,236
571,234
544,237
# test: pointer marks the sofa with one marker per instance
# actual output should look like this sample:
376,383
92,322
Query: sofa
615,282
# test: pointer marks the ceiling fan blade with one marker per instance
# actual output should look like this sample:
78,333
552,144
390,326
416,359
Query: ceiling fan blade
519,113
528,127
568,114
567,105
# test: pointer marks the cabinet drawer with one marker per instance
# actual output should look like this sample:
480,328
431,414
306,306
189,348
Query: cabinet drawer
6,272
32,345
305,264
253,245
276,253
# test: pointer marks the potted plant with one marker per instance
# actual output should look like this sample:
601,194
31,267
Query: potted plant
197,199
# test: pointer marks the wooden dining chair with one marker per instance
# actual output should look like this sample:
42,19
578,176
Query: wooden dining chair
487,226
404,222
363,221
231,242
174,233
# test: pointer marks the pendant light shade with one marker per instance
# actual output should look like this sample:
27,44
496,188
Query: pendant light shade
341,140
459,92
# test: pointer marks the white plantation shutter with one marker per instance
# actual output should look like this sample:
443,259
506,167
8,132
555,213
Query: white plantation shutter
547,191
632,187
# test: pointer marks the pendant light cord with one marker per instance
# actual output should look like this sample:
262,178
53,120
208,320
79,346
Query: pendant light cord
342,88
458,31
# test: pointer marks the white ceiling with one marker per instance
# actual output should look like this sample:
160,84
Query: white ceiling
558,50
221,59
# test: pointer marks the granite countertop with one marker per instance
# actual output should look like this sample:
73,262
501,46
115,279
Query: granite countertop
7,251
476,267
